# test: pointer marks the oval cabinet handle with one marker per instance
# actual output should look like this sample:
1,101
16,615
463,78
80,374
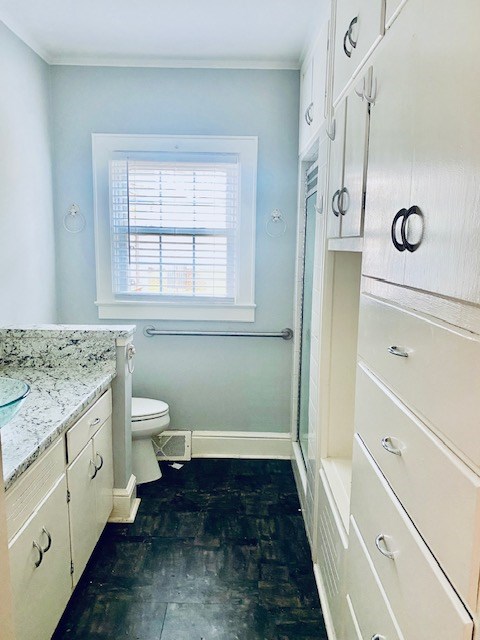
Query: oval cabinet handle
382,547
343,201
388,446
336,212
397,351
412,246
399,246
40,554
353,42
347,52
97,468
94,423
92,464
49,540
377,636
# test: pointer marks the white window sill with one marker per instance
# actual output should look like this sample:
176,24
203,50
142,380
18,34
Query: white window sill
166,311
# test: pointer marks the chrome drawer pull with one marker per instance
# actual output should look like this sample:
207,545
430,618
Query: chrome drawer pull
396,351
383,548
387,445
40,554
94,423
49,540
377,636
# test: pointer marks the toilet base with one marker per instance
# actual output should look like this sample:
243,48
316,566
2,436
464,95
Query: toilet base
145,465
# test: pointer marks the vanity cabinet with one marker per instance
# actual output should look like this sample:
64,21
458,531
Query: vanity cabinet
422,211
90,485
40,566
348,163
55,514
313,88
359,25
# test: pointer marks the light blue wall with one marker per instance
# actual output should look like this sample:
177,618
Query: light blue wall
210,383
27,254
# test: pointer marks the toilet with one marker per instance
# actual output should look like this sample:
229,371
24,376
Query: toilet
149,418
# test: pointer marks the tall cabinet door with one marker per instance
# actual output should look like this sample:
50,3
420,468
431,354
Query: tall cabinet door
41,582
81,478
335,174
390,155
102,447
445,48
355,158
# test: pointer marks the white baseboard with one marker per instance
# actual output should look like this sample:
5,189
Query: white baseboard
125,503
241,444
324,604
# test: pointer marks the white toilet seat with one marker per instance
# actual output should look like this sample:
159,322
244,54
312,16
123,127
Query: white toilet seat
148,408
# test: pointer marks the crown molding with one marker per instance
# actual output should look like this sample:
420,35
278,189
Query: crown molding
25,36
170,63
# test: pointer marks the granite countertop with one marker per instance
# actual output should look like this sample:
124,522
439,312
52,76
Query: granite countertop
67,367
56,399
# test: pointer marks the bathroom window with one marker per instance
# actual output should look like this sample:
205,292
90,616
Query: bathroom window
175,226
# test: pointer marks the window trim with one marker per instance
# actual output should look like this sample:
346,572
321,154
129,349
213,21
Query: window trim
113,307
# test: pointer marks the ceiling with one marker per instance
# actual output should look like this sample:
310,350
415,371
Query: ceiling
218,33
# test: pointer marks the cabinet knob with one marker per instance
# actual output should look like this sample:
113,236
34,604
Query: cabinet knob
94,423
377,636
381,545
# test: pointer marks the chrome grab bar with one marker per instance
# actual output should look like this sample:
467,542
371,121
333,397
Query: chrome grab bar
286,334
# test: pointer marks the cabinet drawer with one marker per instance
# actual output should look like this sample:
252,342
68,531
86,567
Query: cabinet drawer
422,600
371,610
40,593
26,494
88,425
440,378
427,478
364,20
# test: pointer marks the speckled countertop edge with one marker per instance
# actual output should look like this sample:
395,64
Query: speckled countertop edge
74,331
57,399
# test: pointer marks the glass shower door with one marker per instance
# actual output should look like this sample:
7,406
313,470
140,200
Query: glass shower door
307,293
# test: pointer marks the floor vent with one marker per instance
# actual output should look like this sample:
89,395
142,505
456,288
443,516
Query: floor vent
173,445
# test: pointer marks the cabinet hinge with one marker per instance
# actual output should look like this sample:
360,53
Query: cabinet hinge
71,568
69,497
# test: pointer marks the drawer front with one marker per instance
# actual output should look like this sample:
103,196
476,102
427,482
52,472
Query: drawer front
372,611
366,18
440,378
88,425
40,594
422,600
26,494
427,478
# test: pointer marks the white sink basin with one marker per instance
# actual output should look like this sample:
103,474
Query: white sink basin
12,394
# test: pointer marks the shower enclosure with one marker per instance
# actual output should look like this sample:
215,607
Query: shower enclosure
306,306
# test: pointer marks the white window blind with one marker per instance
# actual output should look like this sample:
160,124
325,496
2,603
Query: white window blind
174,225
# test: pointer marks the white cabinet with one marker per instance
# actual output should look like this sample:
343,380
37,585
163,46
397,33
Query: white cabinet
423,153
313,86
55,517
90,485
422,600
40,567
359,25
348,162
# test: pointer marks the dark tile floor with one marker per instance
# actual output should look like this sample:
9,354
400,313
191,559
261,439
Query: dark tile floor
218,551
